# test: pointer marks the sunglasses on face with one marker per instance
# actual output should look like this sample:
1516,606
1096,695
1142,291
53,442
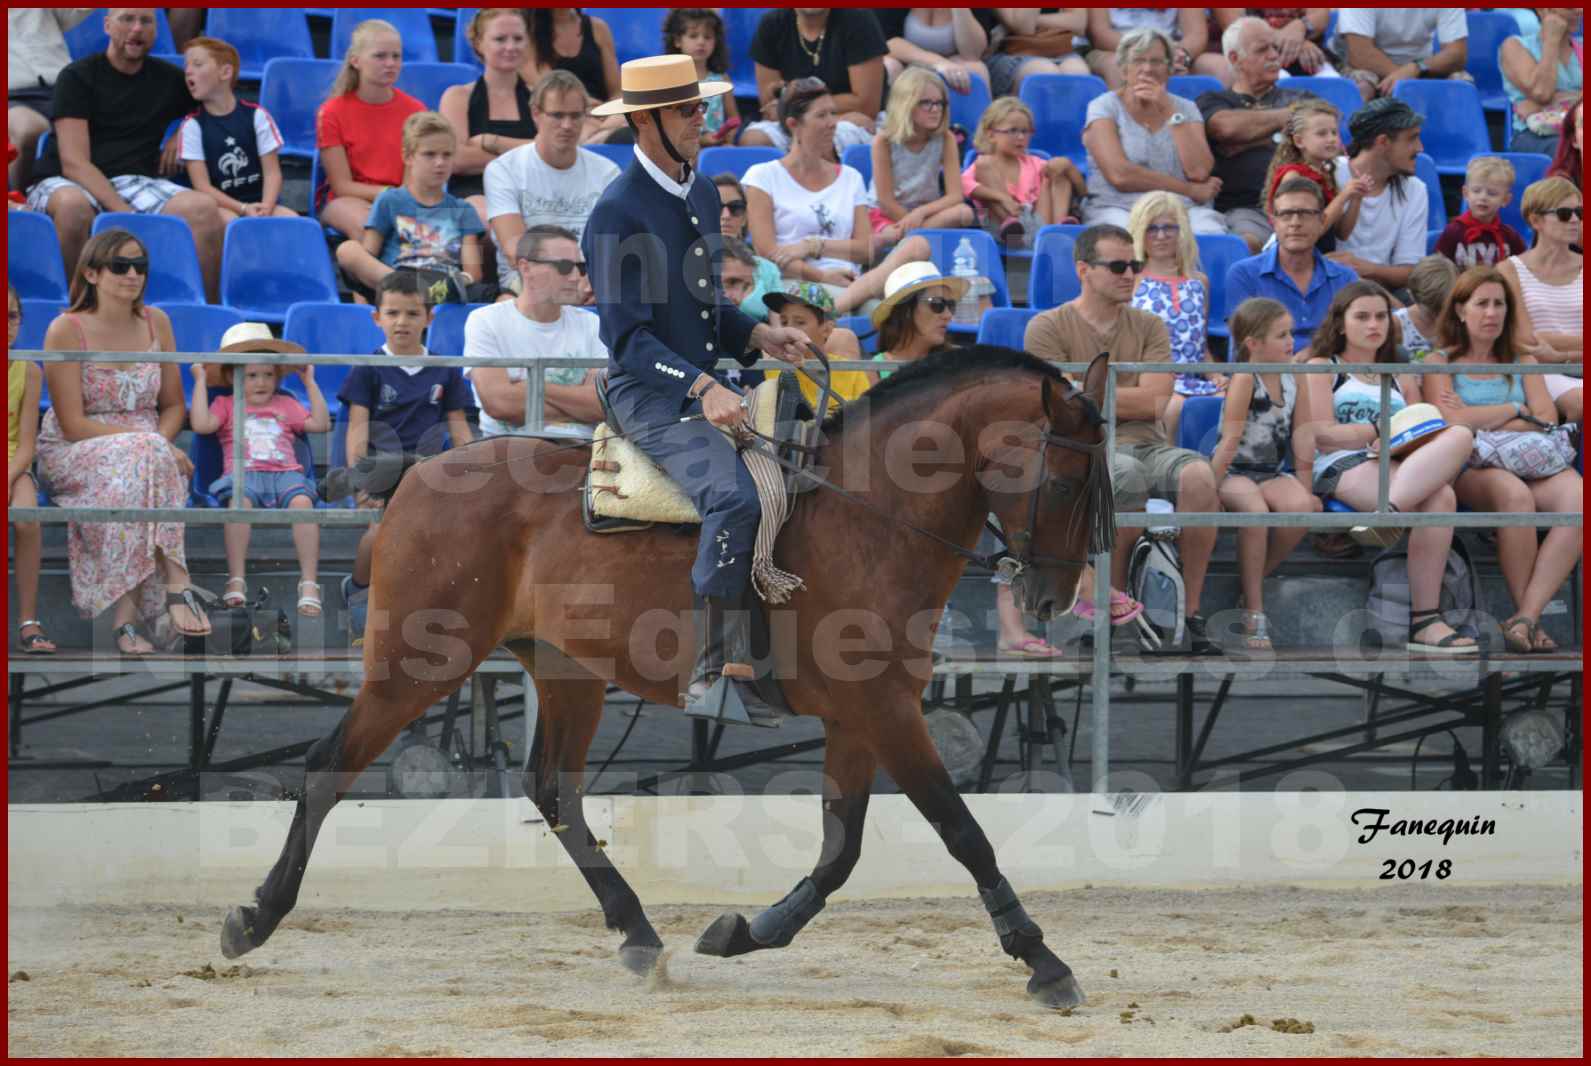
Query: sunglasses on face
562,266
1564,214
735,207
937,304
121,264
692,109
1121,266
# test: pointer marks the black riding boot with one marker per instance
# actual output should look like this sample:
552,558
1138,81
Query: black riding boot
721,686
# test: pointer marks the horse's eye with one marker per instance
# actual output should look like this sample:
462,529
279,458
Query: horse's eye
1062,487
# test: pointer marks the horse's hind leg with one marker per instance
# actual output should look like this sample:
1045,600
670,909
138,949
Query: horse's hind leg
567,718
848,765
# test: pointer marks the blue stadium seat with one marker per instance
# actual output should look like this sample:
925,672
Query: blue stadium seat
1455,126
446,335
1191,86
1529,168
968,107
734,159
1217,253
621,154
33,257
942,244
89,37
198,328
173,257
1436,206
426,82
1005,325
859,157
412,23
462,52
1487,32
862,326
331,329
1053,280
1059,102
1341,93
1200,427
637,31
261,34
36,318
740,26
269,264
292,90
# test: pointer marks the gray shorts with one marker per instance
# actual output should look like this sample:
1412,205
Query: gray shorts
146,196
1139,471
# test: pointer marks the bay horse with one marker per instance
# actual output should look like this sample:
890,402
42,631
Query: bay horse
1010,435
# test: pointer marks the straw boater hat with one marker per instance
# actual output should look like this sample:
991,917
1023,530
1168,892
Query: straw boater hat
1413,426
659,81
249,337
908,280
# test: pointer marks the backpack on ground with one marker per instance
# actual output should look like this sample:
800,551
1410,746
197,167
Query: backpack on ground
1388,604
1154,579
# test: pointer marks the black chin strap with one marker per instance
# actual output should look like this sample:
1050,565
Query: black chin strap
668,145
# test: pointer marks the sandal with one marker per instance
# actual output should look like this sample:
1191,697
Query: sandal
1519,645
236,593
34,643
1123,608
1032,648
1540,642
1420,621
129,632
1199,642
1256,631
309,602
187,599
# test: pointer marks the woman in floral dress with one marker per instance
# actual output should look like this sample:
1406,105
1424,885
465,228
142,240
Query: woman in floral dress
107,441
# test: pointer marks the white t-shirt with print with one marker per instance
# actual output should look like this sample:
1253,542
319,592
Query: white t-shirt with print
1390,230
799,213
1404,34
520,182
501,331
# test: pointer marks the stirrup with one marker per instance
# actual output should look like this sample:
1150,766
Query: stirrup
725,702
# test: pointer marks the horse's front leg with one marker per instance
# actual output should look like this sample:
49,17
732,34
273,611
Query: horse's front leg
848,765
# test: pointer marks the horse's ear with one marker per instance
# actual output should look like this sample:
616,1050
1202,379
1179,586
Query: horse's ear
1094,379
1045,397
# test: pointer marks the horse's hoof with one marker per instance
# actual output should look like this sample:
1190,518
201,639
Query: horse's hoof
730,935
639,959
236,932
1061,994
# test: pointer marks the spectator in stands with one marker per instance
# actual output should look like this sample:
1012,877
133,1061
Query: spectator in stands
912,155
231,149
111,113
745,278
1429,283
1390,236
1242,123
1026,41
1251,457
1543,78
945,40
811,221
763,273
550,181
272,474
543,321
492,114
1339,426
843,48
420,225
1566,163
24,385
1185,30
397,415
564,38
108,440
359,129
1016,191
1101,319
809,308
1383,46
1293,271
1174,290
699,33
1548,284
1141,138
1478,237
1300,37
913,319
1309,147
1478,328
35,53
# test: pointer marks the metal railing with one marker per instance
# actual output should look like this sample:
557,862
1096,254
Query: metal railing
535,392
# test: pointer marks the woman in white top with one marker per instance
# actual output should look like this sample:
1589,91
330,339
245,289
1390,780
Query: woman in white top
810,216
1548,284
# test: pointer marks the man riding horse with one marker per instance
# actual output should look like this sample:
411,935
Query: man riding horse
650,245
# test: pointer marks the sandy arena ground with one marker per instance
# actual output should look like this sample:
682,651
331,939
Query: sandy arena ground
1404,970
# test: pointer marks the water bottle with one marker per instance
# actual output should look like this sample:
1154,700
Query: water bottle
964,265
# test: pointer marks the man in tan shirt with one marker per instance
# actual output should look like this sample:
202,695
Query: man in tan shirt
1099,321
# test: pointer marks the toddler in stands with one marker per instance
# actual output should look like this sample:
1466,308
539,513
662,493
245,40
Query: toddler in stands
24,382
1308,147
232,149
1478,237
699,33
1016,190
273,476
911,155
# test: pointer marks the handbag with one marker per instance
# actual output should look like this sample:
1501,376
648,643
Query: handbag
1047,44
447,285
1527,454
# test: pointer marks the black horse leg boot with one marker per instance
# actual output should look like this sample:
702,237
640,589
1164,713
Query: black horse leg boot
722,684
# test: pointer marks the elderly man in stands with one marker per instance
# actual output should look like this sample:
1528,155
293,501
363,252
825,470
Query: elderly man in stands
1241,124
1383,46
111,111
1384,139
1292,271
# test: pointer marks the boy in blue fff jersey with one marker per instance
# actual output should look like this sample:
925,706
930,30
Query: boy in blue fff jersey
229,147
397,415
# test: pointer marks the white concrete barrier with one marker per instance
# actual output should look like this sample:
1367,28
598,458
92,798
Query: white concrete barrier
480,854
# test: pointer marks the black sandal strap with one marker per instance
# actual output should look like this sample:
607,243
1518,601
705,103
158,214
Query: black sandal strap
1421,620
189,600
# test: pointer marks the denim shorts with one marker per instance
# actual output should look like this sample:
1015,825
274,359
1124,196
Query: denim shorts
267,488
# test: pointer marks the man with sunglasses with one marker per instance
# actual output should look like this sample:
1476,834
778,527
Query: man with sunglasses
543,322
652,241
1145,463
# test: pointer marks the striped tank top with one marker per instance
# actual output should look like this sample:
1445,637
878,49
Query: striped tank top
1553,308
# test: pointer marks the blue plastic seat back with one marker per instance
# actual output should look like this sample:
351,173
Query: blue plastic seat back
261,34
292,90
173,257
1529,168
622,155
1487,32
36,318
33,257
331,329
1053,280
446,335
968,107
1059,103
862,326
942,244
198,327
462,52
1341,93
412,23
637,31
1200,427
1436,206
734,159
426,82
1006,326
1455,126
1217,253
859,157
89,37
269,264
740,26
1192,86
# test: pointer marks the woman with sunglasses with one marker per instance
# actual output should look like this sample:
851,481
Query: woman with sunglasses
1548,284
107,441
732,223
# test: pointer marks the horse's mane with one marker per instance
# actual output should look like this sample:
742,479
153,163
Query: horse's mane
939,370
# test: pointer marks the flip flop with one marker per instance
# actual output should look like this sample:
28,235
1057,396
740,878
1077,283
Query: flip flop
1123,608
34,643
129,631
1032,648
187,599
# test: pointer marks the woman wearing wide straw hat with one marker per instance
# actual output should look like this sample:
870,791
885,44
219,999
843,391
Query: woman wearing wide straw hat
650,246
